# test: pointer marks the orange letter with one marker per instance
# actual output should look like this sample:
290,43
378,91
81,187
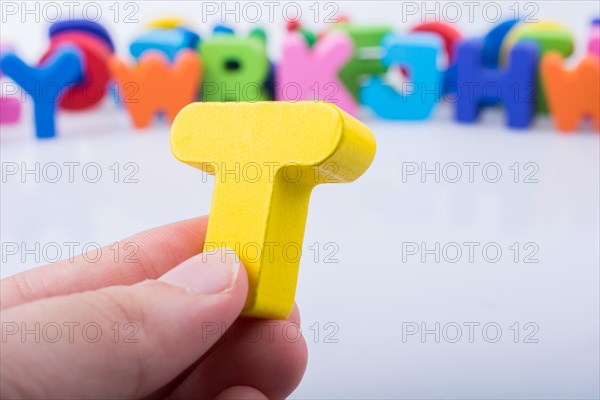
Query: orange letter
154,86
572,95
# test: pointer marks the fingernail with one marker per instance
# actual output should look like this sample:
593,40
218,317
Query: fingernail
205,273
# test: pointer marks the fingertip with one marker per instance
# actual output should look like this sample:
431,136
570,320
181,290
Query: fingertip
208,273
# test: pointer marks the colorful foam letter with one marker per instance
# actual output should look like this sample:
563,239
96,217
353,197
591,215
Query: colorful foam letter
94,61
572,95
451,38
10,110
235,68
514,86
492,42
280,151
144,95
96,46
4,49
223,30
10,107
550,36
261,34
447,32
367,53
417,53
167,23
46,83
82,25
169,41
594,41
306,73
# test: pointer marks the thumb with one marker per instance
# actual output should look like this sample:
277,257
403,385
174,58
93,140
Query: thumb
121,341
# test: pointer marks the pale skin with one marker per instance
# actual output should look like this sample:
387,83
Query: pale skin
185,338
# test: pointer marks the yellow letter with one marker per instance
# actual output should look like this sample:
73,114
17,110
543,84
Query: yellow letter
266,158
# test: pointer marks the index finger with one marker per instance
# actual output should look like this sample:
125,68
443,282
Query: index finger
152,253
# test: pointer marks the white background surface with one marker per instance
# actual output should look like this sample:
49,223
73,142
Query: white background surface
371,292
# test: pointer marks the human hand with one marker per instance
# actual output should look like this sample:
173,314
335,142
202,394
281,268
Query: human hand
164,324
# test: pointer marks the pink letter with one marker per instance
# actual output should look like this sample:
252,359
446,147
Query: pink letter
306,73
